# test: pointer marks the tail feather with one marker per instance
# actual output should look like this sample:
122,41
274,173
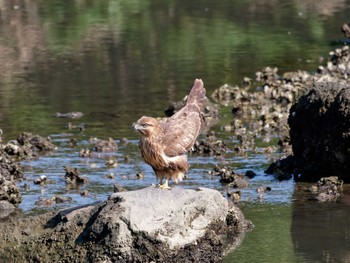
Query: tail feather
197,93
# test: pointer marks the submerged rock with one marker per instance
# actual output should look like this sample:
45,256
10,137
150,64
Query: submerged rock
210,145
284,169
327,189
41,181
100,146
235,196
230,177
73,176
147,225
106,145
111,162
86,153
57,199
70,115
118,188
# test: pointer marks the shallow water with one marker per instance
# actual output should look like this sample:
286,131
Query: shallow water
118,60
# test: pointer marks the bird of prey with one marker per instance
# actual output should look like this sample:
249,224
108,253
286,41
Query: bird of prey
164,143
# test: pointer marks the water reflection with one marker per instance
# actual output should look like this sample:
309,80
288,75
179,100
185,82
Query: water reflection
321,231
270,240
104,58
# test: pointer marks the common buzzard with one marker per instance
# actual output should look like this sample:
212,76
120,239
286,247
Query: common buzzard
164,143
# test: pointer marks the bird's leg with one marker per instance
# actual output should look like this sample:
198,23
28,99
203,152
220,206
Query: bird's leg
164,186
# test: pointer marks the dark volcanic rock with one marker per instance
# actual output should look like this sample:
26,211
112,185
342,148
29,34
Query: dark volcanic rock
137,226
319,134
283,169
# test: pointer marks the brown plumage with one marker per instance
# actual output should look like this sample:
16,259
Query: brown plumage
164,143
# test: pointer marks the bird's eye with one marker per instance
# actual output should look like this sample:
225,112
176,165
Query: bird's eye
144,125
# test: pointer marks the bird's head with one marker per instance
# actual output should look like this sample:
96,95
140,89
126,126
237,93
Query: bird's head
147,126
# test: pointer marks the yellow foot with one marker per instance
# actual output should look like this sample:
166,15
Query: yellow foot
164,186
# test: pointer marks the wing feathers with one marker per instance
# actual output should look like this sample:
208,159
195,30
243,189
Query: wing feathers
197,93
182,129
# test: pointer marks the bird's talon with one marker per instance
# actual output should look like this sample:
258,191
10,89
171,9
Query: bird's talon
164,186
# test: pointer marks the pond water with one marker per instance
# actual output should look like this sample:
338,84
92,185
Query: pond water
118,60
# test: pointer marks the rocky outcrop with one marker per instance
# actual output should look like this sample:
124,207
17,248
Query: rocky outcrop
320,134
27,146
10,172
320,131
9,192
147,225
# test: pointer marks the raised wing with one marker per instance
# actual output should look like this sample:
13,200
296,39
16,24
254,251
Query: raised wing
181,129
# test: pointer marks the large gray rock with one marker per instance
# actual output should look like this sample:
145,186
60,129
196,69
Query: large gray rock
137,226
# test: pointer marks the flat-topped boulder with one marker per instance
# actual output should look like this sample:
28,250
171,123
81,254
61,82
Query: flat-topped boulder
151,224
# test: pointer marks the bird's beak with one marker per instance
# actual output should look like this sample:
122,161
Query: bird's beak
136,127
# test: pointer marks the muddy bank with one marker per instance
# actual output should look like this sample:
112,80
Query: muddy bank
137,226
